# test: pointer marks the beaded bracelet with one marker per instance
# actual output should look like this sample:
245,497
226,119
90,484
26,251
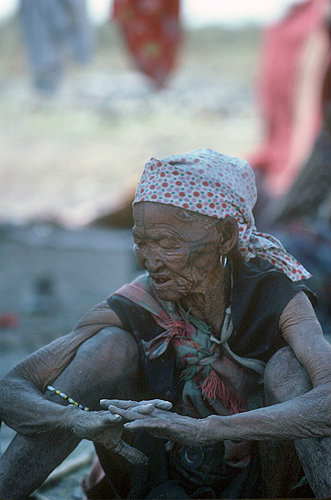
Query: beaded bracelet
66,397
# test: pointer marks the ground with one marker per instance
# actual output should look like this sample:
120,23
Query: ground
68,158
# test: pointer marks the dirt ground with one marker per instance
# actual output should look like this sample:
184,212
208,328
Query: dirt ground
68,156
75,155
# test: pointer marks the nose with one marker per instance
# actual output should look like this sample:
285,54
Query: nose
151,260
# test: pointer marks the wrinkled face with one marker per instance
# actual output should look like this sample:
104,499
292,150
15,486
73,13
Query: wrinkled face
181,256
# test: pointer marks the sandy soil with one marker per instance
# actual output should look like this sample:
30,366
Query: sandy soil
67,156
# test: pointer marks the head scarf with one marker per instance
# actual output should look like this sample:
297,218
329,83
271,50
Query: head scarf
210,183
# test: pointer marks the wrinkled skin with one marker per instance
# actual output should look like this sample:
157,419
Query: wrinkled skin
182,257
307,415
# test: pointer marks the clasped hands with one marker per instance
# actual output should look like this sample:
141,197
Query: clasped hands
154,417
107,427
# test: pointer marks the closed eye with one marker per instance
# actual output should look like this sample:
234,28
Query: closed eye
170,244
138,244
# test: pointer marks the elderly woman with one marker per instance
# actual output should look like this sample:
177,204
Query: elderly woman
206,328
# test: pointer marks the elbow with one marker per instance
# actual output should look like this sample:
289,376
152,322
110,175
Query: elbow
5,382
325,407
5,398
1,400
12,389
317,403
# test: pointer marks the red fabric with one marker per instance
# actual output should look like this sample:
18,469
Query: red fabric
282,76
151,29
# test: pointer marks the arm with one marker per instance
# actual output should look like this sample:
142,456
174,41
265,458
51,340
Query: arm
307,415
27,382
109,362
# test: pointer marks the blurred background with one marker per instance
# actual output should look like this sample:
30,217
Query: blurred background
90,90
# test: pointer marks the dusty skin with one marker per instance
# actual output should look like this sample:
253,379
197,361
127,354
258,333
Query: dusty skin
100,347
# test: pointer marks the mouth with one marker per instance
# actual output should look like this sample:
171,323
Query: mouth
159,281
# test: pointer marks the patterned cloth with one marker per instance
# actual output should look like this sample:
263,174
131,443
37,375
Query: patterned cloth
216,185
151,29
212,379
206,362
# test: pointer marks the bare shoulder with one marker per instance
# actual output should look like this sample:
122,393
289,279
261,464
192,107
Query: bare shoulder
299,315
302,331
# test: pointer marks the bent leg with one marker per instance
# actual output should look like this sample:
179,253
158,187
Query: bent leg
285,378
105,366
30,459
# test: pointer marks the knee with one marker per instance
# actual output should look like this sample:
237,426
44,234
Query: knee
110,359
111,348
284,377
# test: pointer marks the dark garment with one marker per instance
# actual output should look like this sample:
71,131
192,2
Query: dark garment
310,242
260,294
172,476
159,372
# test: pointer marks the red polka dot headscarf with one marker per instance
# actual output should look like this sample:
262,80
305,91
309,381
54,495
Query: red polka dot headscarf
217,185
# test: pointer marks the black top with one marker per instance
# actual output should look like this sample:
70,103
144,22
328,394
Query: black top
259,295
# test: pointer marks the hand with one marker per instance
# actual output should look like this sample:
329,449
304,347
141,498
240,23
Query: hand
153,418
135,408
105,429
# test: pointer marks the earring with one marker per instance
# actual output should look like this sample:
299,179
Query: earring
223,260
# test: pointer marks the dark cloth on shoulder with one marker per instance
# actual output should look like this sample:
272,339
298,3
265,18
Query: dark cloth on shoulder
159,372
260,294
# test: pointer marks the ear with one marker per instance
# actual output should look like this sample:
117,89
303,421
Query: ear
227,235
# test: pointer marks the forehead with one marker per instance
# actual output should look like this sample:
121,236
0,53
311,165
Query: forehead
156,219
149,214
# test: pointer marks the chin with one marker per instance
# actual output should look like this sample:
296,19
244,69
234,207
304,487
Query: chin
169,294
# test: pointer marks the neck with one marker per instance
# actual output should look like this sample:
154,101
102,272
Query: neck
210,304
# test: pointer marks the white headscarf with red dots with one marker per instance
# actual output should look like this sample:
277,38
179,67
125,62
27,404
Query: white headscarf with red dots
217,185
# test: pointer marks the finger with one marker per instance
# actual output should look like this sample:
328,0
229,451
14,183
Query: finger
147,423
141,408
108,418
126,404
120,403
131,454
158,431
146,409
88,425
161,404
125,414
